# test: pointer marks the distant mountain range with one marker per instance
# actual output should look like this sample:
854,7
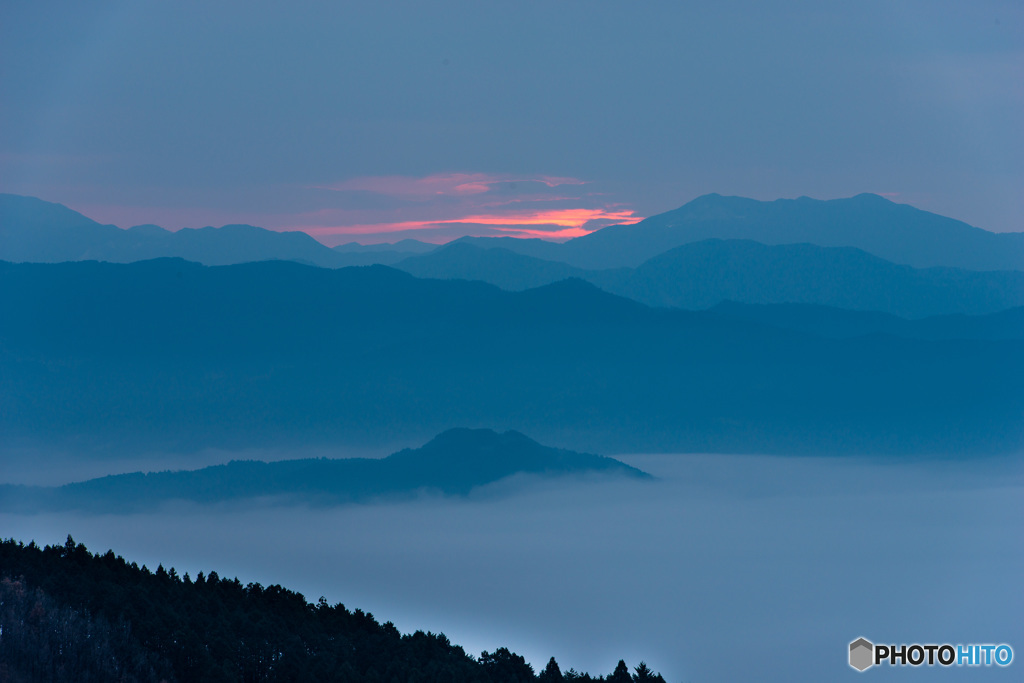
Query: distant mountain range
702,274
32,230
453,463
171,354
829,326
406,246
684,270
895,232
38,231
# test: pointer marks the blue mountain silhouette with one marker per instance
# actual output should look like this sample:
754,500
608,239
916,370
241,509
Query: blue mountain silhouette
453,463
702,274
895,232
36,231
173,354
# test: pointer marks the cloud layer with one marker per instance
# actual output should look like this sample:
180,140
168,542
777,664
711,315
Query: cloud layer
729,568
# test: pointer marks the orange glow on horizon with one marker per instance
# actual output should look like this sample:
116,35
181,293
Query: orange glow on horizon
570,218
571,222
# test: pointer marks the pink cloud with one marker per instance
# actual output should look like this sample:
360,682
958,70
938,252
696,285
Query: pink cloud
575,218
524,200
554,224
445,184
443,206
433,208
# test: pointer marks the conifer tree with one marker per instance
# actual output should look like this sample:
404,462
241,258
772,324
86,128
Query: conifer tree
621,674
551,673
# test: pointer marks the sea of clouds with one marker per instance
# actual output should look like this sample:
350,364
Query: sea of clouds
727,568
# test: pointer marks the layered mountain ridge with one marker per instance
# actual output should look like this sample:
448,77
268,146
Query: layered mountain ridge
38,231
703,274
116,355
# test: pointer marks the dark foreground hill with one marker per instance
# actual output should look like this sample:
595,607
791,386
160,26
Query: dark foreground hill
706,273
170,354
68,616
895,232
453,463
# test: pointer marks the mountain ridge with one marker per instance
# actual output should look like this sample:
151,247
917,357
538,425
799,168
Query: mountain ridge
34,230
178,356
896,232
453,463
702,274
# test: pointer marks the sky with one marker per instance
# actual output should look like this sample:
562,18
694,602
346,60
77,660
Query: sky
727,568
373,122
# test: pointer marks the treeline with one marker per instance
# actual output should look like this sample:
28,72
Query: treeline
70,615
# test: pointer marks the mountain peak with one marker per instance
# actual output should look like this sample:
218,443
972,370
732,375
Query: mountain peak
454,462
148,230
896,232
483,455
711,206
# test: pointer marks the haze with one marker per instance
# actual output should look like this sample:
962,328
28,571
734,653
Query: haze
728,568
377,121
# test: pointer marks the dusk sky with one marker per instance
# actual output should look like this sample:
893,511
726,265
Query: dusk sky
372,122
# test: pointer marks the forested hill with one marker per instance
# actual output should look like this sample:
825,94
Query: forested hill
69,615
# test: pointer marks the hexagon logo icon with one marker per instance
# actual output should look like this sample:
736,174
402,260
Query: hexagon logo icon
862,654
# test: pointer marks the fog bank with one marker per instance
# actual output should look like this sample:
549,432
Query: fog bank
727,568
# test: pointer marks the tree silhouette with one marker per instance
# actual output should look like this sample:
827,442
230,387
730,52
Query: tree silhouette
504,665
643,674
551,673
621,674
67,615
